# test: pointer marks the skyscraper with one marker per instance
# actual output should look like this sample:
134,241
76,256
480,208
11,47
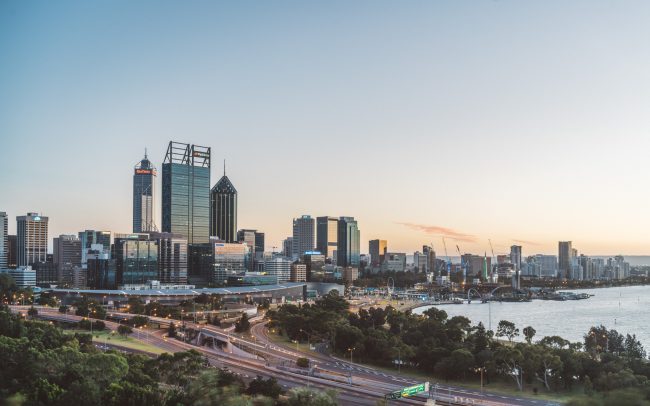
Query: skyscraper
144,182
4,240
67,257
377,250
431,258
327,235
259,244
31,241
348,249
515,257
303,235
565,260
223,210
186,192
287,247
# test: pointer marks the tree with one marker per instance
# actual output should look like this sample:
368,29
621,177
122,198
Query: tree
135,305
302,362
554,342
242,325
265,387
63,309
139,321
32,312
124,330
508,361
171,331
529,333
507,329
333,302
309,397
633,347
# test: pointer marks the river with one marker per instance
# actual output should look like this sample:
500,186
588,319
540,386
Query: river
625,309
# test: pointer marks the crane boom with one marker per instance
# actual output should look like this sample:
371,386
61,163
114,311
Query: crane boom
493,257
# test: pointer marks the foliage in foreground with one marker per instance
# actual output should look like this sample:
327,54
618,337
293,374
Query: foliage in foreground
44,366
452,348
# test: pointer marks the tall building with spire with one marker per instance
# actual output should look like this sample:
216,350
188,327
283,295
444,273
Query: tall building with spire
144,181
223,209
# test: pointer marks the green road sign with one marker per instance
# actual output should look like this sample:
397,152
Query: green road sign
409,391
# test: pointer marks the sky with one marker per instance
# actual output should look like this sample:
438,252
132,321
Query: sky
516,122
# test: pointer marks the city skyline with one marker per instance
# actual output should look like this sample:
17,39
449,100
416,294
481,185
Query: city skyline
526,137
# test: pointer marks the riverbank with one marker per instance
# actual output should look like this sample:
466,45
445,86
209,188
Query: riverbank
621,308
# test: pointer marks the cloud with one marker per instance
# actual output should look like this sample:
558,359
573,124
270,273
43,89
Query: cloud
441,231
526,242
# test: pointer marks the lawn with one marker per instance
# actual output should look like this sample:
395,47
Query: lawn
130,342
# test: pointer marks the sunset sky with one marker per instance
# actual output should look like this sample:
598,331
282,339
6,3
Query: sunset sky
519,122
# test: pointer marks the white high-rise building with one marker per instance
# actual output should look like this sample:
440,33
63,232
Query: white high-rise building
31,240
279,267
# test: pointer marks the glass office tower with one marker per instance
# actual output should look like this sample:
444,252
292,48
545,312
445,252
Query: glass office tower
186,192
348,252
136,257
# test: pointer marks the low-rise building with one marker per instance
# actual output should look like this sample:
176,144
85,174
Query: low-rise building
24,276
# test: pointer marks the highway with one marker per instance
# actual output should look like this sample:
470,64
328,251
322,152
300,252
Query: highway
368,384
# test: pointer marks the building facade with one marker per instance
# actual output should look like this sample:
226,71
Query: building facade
186,192
394,262
90,239
101,271
349,242
280,267
67,257
136,257
298,272
229,260
304,229
327,235
4,240
12,251
24,276
144,184
223,210
377,250
31,240
172,257
565,258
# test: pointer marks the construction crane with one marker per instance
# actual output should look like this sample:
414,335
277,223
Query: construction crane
493,257
461,264
448,261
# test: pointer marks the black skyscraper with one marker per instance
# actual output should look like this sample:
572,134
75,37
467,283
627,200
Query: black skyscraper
223,210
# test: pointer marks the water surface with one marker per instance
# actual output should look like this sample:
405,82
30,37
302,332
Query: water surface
625,309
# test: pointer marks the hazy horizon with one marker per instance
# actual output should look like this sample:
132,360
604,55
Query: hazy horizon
523,123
